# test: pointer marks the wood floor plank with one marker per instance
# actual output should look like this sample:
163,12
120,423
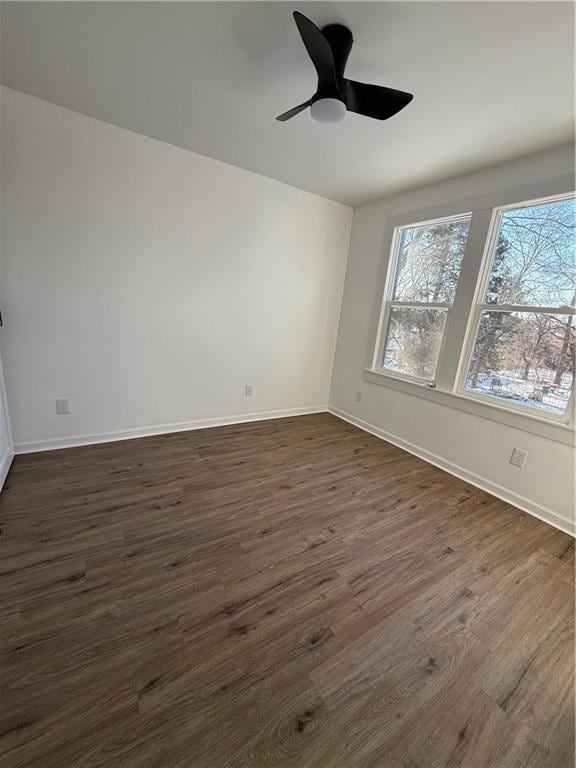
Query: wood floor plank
285,593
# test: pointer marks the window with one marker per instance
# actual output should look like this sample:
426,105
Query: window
523,329
421,288
504,333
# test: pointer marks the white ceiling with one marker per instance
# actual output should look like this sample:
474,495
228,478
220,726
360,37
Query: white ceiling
492,80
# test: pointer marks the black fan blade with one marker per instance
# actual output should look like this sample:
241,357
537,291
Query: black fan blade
294,111
375,100
319,51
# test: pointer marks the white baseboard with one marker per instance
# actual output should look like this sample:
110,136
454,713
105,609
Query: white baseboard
5,464
526,505
57,443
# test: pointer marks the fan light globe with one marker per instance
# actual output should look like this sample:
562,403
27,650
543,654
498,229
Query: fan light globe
328,110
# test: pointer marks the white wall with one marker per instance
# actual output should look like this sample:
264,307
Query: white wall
6,449
474,447
149,284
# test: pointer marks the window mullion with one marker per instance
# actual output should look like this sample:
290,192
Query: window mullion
459,317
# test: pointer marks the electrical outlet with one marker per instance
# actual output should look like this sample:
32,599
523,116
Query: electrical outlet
62,406
248,390
518,458
358,396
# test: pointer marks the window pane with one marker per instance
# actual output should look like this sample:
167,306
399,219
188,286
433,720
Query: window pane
413,341
534,260
429,259
524,357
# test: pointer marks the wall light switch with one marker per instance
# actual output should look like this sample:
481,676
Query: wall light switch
518,458
62,406
248,390
358,396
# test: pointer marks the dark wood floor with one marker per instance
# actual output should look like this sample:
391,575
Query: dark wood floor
284,593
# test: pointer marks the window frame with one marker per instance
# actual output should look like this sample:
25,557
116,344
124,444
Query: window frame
458,340
478,307
388,301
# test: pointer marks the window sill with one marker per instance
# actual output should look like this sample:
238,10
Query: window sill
562,433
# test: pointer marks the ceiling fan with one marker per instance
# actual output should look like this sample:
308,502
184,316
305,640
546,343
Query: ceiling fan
329,49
